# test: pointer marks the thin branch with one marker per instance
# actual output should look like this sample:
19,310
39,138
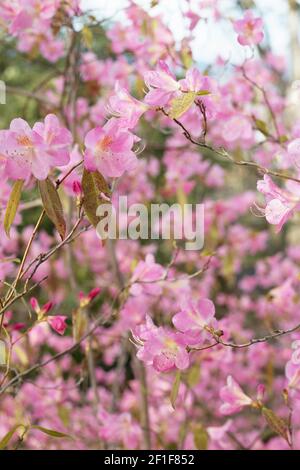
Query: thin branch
223,153
267,101
19,91
251,342
40,259
57,356
20,295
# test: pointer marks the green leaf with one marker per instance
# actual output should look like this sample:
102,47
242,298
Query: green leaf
64,414
203,93
175,389
283,139
180,105
94,187
53,206
10,260
51,432
186,57
7,438
200,437
80,323
277,424
262,127
3,353
193,376
87,36
12,205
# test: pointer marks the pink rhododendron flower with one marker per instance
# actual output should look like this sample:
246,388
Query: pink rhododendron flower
22,151
161,348
90,68
233,397
109,150
125,107
45,9
249,29
22,20
58,323
52,49
281,203
162,85
195,317
33,23
145,277
57,140
35,151
197,82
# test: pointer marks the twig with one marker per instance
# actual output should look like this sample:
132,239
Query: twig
275,334
57,356
19,91
223,153
267,101
45,256
22,294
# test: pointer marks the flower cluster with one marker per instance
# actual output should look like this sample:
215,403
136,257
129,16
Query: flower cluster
35,24
165,349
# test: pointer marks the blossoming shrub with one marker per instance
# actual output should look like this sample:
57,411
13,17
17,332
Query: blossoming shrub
136,344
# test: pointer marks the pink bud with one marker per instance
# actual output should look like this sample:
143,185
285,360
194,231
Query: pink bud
47,307
18,326
94,292
34,304
81,295
58,323
77,188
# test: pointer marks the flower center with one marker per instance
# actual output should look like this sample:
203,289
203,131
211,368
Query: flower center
25,141
249,28
170,345
104,143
